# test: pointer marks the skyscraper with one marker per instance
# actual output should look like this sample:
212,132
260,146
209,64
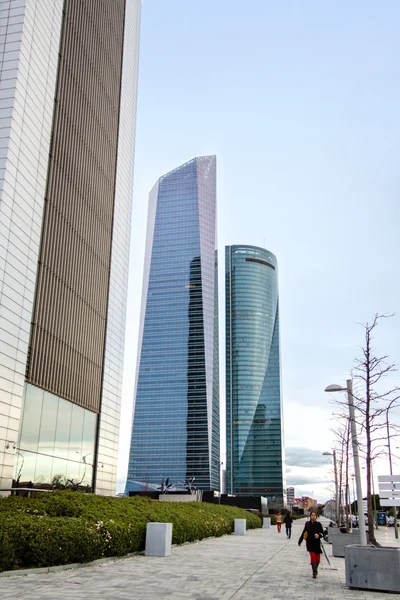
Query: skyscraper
253,390
175,430
67,118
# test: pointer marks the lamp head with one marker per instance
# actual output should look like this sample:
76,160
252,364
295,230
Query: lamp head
334,387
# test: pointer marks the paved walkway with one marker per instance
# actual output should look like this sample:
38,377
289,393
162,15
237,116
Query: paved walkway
261,565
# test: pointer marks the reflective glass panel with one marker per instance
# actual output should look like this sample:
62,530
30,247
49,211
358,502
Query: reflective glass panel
33,402
43,469
76,433
48,424
63,427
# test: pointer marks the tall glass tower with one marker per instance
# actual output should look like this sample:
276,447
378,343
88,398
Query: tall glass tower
253,389
68,84
175,430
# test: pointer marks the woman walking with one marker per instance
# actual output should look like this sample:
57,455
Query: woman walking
279,521
312,534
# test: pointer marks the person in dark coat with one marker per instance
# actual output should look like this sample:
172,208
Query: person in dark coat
288,524
312,534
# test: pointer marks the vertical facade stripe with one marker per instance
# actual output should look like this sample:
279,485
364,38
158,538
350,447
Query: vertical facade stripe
69,320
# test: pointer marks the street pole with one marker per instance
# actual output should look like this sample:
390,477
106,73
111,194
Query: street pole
373,493
336,489
396,528
361,520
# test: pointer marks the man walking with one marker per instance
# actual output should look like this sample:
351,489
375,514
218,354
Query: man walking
288,524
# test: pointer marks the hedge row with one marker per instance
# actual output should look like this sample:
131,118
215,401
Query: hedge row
66,527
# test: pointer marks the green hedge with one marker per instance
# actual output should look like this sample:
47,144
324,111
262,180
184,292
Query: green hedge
67,527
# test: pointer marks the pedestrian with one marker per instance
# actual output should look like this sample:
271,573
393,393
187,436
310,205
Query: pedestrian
312,534
279,521
288,523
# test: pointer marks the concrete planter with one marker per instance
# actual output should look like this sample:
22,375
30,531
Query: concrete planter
331,532
240,526
341,540
373,568
266,522
158,539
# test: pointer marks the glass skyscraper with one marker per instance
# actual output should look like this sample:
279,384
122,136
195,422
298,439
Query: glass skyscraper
253,389
68,110
175,430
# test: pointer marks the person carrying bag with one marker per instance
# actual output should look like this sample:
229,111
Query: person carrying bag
312,534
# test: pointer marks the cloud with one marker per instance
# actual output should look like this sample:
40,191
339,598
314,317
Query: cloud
305,457
305,480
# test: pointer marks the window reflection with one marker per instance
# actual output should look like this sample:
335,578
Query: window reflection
31,418
76,433
57,443
63,429
48,424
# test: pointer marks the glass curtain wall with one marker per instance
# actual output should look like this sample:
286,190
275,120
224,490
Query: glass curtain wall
174,433
253,389
56,444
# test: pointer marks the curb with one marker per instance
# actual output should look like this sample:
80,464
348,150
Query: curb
57,568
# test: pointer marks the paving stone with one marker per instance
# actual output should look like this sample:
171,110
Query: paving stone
263,565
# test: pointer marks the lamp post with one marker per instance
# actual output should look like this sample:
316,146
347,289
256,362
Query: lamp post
337,516
350,400
396,530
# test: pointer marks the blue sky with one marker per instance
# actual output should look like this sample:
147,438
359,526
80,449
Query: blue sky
300,103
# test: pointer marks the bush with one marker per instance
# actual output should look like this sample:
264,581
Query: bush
66,527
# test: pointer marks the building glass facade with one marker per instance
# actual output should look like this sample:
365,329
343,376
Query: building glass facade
253,388
175,430
68,86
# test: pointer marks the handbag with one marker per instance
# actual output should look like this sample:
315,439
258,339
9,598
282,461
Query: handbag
305,534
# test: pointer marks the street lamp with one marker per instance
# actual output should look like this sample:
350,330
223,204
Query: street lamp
350,400
396,531
333,453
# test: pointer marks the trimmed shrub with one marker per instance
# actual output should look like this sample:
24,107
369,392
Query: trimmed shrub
67,527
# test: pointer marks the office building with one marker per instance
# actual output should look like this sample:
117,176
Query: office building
175,432
253,387
67,121
290,497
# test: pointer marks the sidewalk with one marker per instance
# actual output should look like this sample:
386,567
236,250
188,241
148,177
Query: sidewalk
261,565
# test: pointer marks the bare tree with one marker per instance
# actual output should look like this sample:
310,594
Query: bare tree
372,406
342,435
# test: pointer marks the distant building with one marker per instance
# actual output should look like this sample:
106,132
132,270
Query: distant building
290,497
305,502
253,390
175,432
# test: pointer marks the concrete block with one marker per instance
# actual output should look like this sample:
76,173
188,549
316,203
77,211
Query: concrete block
240,526
158,539
341,540
373,568
266,522
331,532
